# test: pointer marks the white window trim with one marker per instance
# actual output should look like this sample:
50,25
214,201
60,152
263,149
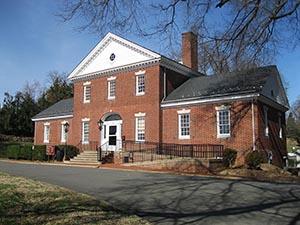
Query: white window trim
82,131
137,116
137,75
84,93
63,139
180,113
266,121
109,97
85,119
218,109
46,125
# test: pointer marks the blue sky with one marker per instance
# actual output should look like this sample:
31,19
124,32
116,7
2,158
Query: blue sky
33,42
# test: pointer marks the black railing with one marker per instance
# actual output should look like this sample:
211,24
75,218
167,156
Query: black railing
150,151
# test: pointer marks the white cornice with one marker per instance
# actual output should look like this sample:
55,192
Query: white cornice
52,118
115,70
208,100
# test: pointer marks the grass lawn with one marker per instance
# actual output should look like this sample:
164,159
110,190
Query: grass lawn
24,201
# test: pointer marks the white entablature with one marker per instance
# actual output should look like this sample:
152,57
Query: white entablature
112,52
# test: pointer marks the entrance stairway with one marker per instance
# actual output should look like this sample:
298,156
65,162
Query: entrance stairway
87,158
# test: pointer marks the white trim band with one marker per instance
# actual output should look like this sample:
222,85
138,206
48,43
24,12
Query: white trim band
191,102
85,120
52,118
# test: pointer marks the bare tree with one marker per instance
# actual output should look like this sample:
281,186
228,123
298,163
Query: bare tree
233,33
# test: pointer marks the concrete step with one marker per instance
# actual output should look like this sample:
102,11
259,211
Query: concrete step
82,163
85,160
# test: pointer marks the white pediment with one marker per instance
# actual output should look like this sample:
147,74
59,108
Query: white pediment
112,52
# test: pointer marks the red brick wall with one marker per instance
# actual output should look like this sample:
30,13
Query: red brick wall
55,132
126,104
203,128
272,142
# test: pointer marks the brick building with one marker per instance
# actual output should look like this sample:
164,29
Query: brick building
134,93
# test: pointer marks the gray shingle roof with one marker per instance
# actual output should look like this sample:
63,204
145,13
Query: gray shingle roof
61,108
248,81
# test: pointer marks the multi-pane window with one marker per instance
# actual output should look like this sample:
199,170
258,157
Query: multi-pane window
85,132
63,133
111,89
140,84
266,121
87,94
184,125
223,123
280,126
140,128
46,133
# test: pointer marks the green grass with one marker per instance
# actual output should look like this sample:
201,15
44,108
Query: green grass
24,201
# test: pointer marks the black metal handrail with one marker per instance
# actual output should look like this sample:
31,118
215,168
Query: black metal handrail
149,151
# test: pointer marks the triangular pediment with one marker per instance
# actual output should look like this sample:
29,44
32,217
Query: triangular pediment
112,52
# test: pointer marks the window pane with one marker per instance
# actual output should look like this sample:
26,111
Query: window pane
112,88
224,123
87,93
140,83
184,124
85,132
140,128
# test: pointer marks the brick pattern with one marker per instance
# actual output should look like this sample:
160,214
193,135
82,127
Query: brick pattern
55,132
190,50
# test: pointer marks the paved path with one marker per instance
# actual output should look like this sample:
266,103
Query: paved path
175,199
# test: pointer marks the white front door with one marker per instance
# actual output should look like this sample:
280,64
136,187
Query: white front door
111,135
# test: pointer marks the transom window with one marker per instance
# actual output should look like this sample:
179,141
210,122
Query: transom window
87,92
111,89
223,123
85,132
46,133
184,125
140,84
140,128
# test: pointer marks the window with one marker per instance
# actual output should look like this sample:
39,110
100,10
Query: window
87,92
280,126
266,121
85,131
184,124
63,132
111,88
140,83
223,122
46,132
140,127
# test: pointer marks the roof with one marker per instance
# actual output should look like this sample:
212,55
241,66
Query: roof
233,83
59,109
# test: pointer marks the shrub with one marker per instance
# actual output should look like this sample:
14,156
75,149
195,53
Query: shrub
17,151
39,153
254,159
71,152
13,151
229,157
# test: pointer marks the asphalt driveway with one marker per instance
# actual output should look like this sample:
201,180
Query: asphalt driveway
176,199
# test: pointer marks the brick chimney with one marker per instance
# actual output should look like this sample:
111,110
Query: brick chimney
190,50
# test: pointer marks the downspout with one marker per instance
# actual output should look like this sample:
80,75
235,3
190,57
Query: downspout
253,126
